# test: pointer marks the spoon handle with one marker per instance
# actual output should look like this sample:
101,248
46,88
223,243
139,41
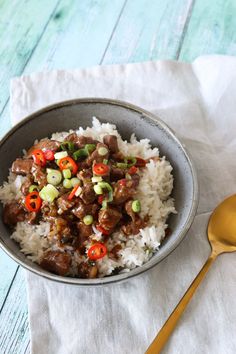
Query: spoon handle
165,332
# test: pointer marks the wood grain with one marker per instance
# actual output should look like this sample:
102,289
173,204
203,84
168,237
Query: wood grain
14,336
211,29
152,30
19,35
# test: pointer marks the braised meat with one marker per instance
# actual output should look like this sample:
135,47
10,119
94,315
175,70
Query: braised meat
109,218
116,174
45,144
56,262
133,227
81,140
22,166
124,190
96,154
81,210
111,142
87,270
84,230
13,213
39,175
64,204
85,192
88,195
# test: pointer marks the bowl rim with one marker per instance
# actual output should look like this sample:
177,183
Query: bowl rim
138,270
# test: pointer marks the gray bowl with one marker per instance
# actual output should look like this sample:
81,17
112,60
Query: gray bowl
128,118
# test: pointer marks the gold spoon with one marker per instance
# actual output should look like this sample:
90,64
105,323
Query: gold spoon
222,237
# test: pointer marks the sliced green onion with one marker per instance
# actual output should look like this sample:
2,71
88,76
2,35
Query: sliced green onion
90,148
110,196
130,161
75,181
105,185
54,177
136,206
102,151
57,162
127,176
68,145
33,187
88,219
79,154
104,204
78,191
49,193
105,161
97,189
67,183
60,155
121,165
66,173
96,179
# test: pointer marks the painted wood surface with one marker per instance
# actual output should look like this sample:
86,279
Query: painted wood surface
47,34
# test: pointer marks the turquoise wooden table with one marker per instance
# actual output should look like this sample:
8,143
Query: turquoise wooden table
51,34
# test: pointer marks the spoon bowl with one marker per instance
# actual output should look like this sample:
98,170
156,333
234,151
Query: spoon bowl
222,237
222,227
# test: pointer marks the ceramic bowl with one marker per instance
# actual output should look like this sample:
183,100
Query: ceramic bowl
128,119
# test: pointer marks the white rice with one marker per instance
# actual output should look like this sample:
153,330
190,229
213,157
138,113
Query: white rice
155,187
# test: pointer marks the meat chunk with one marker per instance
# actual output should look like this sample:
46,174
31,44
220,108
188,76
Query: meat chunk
109,218
64,204
22,166
32,217
133,227
13,213
56,262
114,253
85,176
81,209
111,142
87,270
49,210
39,175
95,156
84,230
26,184
45,144
116,174
135,178
88,195
124,190
80,141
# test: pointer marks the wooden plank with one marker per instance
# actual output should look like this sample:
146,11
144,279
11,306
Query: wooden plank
148,30
5,123
14,336
211,29
8,269
19,34
77,35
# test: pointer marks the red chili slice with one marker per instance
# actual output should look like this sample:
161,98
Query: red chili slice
100,199
140,162
102,230
132,170
49,155
38,157
72,193
97,251
33,201
68,162
100,169
122,182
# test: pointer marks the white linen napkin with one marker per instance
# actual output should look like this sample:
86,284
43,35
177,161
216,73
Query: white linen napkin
198,101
